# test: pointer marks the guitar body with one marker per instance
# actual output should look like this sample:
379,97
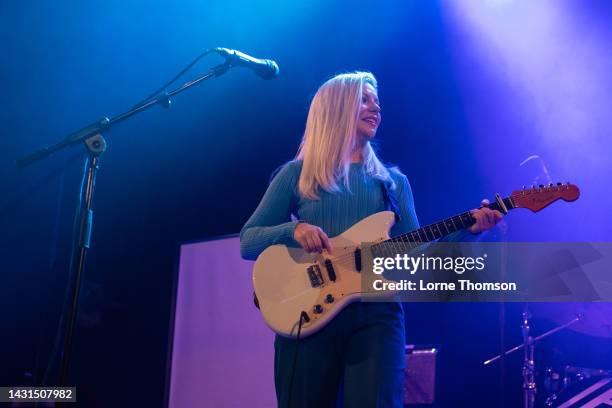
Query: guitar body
283,287
290,282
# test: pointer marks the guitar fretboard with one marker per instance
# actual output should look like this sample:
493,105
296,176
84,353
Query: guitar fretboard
431,232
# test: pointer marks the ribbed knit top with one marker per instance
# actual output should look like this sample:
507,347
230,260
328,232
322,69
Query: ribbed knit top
334,213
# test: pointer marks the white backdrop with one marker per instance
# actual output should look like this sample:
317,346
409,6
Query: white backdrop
223,353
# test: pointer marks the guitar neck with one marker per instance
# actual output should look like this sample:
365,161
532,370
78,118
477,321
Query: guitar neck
439,229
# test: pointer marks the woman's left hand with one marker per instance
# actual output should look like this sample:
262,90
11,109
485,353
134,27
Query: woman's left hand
485,219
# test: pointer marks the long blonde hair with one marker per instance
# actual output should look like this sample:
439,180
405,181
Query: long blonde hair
329,138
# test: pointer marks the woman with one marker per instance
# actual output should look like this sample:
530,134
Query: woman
335,181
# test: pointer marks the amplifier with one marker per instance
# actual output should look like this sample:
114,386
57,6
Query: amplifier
420,381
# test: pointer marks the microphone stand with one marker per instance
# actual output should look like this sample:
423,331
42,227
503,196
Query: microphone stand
95,144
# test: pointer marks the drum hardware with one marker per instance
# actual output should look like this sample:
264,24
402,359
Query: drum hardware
559,384
584,387
581,373
554,381
528,346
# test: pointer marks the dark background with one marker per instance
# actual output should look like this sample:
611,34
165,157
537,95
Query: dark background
468,90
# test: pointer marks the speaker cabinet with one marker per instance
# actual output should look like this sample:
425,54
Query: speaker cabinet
420,381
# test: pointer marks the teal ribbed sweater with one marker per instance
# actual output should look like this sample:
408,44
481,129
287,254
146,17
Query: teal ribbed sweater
333,212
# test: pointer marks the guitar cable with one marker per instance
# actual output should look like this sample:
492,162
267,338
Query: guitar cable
303,318
158,91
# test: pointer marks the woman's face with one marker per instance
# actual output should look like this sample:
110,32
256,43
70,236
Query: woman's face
369,113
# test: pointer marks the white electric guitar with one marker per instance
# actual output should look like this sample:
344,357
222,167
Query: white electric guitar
293,286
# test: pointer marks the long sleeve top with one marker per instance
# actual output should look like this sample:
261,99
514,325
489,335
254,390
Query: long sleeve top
271,223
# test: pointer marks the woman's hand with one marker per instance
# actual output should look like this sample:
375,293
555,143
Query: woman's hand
311,238
485,219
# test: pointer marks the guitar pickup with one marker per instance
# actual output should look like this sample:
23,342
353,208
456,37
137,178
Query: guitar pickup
315,276
330,270
358,259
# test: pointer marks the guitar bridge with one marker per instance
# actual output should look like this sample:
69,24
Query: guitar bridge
315,276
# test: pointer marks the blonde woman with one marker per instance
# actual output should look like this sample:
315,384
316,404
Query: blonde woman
335,181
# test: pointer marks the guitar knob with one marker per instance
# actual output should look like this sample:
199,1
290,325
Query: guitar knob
318,309
329,298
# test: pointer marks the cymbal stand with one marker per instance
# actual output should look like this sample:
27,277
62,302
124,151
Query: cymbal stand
528,346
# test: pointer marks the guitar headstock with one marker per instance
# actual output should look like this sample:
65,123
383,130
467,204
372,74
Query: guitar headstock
536,198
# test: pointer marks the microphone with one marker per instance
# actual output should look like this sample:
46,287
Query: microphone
265,68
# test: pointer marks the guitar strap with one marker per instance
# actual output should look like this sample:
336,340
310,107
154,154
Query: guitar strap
391,202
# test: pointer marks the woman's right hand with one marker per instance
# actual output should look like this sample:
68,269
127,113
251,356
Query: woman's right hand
311,238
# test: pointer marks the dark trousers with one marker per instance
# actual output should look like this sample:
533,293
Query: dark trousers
356,361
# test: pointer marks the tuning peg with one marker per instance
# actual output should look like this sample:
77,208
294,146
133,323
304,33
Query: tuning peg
559,184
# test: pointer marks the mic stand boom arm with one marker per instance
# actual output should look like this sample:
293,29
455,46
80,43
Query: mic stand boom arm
106,123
